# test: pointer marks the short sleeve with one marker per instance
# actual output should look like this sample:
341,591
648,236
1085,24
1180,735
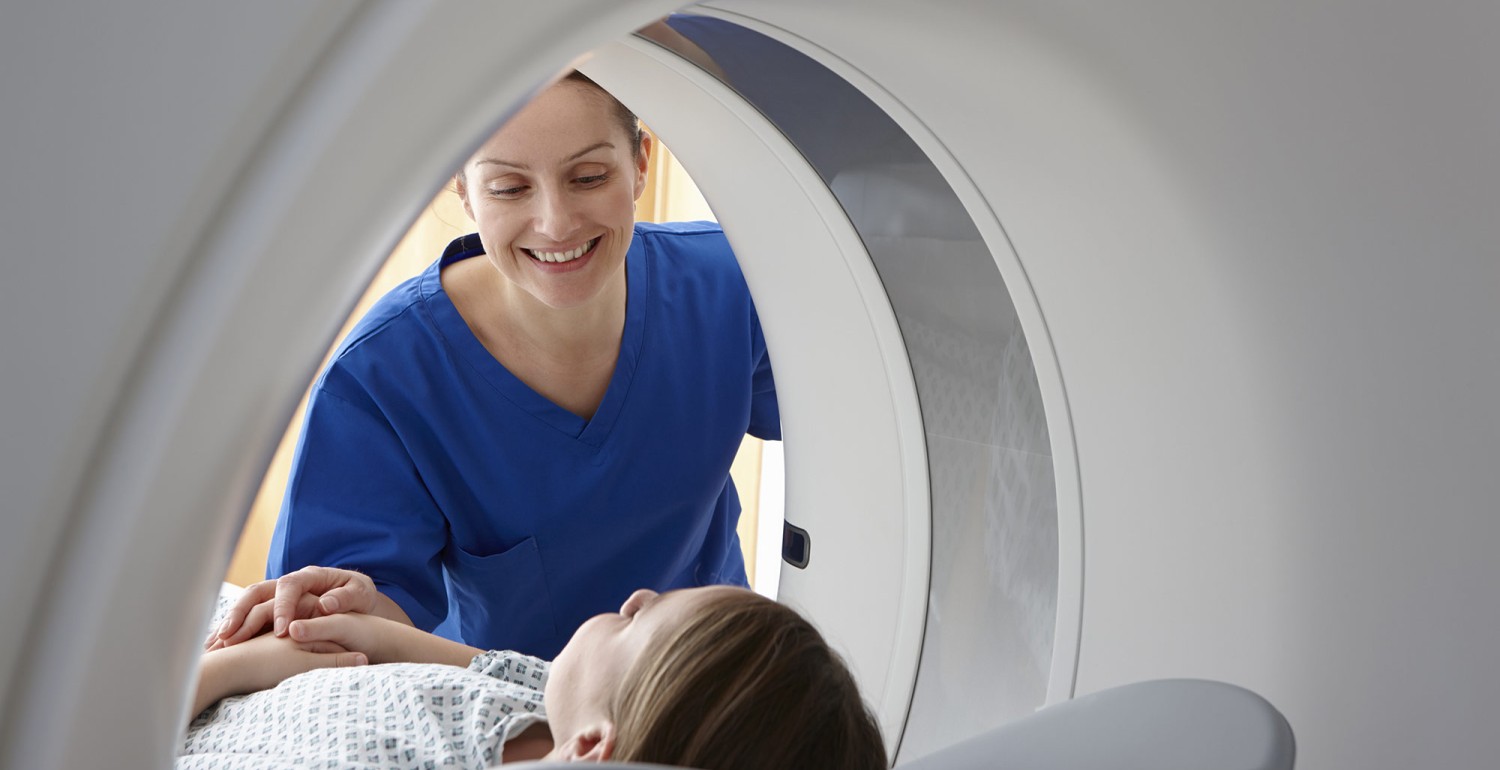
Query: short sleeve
356,501
512,667
765,414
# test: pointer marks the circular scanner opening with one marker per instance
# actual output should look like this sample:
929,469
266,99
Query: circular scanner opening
989,499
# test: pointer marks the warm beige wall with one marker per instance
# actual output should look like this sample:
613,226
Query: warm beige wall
670,196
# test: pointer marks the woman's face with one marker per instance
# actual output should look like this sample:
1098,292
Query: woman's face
553,195
589,669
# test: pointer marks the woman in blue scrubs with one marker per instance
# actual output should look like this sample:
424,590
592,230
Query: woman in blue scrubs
541,422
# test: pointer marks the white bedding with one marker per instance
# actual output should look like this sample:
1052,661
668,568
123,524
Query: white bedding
400,715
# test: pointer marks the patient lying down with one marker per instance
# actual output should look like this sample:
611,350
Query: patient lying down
713,678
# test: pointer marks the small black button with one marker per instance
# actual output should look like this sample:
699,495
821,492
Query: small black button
796,545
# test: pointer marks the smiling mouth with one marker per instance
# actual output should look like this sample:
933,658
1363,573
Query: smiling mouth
561,256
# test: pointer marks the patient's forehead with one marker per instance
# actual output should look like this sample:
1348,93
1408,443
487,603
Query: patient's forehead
675,608
693,597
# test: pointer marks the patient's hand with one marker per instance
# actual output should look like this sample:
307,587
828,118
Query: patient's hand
309,592
379,639
262,663
384,641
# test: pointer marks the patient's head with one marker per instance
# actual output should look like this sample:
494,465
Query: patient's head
716,678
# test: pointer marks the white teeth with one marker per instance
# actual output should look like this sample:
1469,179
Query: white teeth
562,256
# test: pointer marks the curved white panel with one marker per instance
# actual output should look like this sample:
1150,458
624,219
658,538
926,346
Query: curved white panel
272,223
1263,238
856,463
990,646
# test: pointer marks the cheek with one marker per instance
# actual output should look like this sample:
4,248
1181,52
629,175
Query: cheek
617,209
496,230
583,639
495,218
560,674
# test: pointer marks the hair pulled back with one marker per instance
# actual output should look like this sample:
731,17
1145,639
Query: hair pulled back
623,116
747,683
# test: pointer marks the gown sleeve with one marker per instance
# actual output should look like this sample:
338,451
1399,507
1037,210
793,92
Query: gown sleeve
355,500
513,667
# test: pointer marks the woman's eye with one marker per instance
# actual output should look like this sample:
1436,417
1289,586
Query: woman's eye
589,181
507,192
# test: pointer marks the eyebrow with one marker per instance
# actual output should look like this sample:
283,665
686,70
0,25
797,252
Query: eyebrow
524,167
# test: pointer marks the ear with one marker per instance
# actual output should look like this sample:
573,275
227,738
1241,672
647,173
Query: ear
595,743
462,189
642,161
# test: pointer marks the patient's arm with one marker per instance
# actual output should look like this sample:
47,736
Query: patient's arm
383,640
262,663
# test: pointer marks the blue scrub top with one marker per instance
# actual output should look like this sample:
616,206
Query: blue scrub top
498,518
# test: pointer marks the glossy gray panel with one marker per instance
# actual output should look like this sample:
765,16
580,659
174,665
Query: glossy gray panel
994,590
973,369
991,615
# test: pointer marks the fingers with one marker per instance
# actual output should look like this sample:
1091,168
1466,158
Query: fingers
296,597
254,624
294,588
357,595
329,628
320,647
260,618
330,655
253,595
276,603
284,606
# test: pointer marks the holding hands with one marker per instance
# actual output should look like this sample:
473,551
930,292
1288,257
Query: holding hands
310,592
262,663
379,639
319,617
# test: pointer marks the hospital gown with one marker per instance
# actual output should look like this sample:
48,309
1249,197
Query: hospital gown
396,715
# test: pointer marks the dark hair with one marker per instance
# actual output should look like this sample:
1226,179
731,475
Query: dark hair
746,683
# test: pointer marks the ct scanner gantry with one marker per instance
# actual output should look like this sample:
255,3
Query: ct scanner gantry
1117,343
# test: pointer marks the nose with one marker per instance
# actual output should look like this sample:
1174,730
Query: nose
636,601
555,216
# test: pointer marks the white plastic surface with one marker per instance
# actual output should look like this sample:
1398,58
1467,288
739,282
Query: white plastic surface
856,464
1263,240
194,195
1168,724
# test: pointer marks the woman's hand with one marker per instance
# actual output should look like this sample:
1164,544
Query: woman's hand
262,663
309,592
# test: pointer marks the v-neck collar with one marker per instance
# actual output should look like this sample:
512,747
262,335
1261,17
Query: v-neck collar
590,432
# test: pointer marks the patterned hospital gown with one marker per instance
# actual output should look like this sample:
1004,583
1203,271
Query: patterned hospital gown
396,715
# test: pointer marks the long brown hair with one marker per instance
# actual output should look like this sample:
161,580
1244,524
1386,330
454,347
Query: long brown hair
746,683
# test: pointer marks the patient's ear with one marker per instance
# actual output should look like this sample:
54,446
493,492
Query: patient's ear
595,743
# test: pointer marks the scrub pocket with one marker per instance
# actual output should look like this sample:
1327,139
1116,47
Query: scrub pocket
503,598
